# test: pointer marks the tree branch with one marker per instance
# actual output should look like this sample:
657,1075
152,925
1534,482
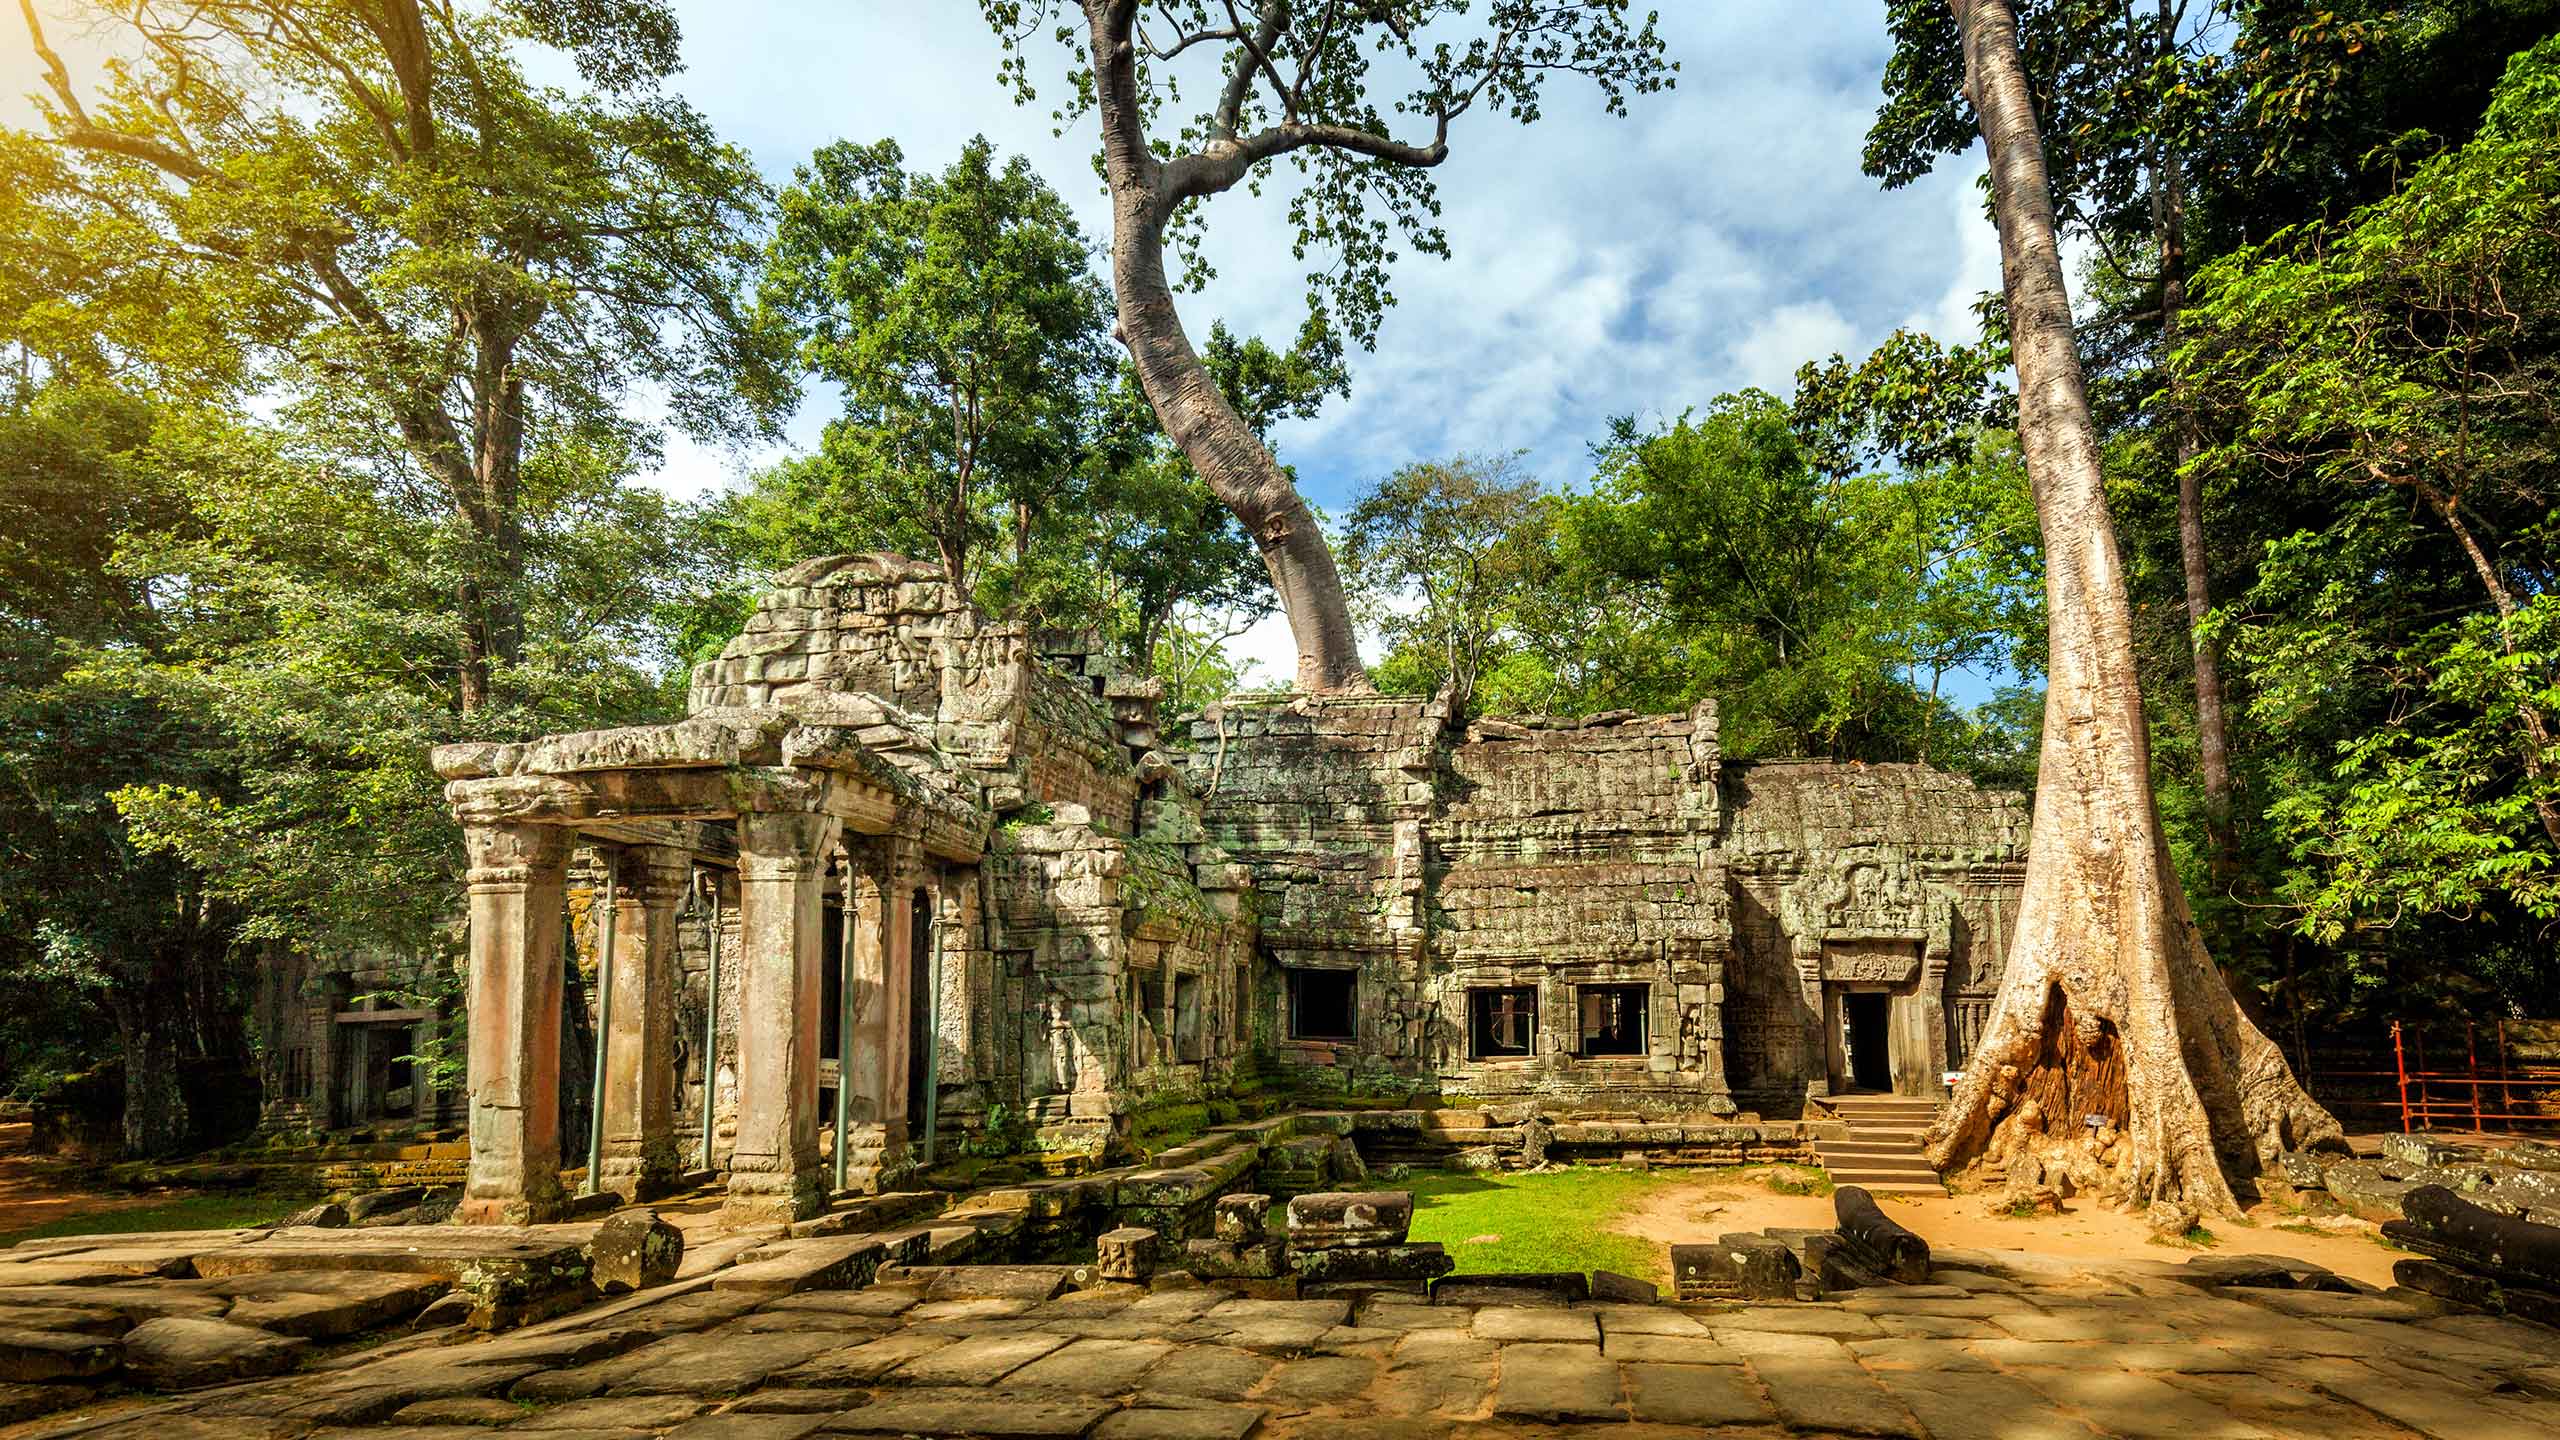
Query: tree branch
1218,168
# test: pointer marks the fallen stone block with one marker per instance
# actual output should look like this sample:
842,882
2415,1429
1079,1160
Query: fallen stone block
1224,1260
1617,1289
1422,1262
1879,1243
2446,1226
634,1250
1127,1254
2366,1192
175,1353
2449,1282
1242,1219
1751,1267
2421,1148
1328,1220
327,1215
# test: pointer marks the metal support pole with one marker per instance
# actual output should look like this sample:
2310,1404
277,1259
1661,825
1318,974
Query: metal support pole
711,1023
933,1033
844,1024
604,1020
2400,1068
2471,1038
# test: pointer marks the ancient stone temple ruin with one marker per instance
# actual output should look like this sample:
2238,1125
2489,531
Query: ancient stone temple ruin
919,877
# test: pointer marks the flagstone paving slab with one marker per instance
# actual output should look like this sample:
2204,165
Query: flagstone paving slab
2038,1351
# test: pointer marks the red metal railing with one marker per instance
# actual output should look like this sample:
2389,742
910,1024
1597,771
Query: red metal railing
2435,1098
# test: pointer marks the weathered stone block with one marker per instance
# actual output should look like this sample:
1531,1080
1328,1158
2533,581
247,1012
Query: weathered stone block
634,1250
1751,1267
1329,1220
1422,1262
1225,1260
1241,1219
1617,1289
1127,1254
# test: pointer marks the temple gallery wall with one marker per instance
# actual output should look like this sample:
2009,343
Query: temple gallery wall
947,874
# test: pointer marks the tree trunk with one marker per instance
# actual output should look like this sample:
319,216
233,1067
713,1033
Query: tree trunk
2109,1006
2213,733
148,1023
1201,422
2537,730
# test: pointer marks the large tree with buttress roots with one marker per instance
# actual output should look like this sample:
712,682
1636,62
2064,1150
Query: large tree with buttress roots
1360,96
2110,1006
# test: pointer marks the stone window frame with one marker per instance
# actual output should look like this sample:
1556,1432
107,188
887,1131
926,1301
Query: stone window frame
1643,1009
1529,1050
1297,975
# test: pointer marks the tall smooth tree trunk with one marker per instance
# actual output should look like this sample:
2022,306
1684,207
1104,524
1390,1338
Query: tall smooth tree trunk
1238,468
2213,731
2109,1006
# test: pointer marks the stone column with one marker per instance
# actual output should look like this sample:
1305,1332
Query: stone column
883,918
774,1170
1822,1054
640,1151
516,879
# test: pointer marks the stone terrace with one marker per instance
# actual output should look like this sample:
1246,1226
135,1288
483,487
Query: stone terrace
2002,1346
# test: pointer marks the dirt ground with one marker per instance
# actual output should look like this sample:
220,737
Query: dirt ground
34,1190
1706,1210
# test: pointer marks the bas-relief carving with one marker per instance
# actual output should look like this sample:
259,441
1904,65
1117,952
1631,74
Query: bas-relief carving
1868,965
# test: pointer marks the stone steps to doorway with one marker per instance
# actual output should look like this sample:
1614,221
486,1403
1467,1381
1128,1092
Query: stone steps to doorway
1882,1153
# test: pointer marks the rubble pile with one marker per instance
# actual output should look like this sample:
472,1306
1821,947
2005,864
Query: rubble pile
2521,1179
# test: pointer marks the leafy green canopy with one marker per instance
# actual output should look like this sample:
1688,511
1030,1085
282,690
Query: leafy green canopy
2400,364
958,315
364,218
1821,607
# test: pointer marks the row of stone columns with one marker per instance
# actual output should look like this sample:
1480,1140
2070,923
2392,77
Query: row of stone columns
517,882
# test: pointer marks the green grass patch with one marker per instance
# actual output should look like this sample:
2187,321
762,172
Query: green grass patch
1800,1180
1556,1220
2196,1238
212,1210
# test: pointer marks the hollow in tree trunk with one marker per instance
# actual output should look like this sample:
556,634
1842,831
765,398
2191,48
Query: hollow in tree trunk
2109,1006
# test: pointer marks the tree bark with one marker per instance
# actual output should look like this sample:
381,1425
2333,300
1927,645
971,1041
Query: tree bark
1238,468
2213,733
2109,1005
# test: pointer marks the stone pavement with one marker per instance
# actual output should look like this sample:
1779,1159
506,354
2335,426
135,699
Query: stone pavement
2001,1346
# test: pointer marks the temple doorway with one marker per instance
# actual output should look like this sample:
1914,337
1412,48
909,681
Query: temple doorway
1865,1016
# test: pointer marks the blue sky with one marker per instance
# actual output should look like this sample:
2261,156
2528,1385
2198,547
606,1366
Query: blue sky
1717,237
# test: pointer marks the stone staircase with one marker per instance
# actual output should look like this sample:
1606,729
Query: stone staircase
1882,1154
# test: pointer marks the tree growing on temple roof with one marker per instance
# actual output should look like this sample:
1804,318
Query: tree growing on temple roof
957,314
2110,1010
1296,81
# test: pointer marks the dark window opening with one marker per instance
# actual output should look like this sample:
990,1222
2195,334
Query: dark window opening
831,924
1187,1045
1502,1022
1240,1005
1612,1019
1321,1004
